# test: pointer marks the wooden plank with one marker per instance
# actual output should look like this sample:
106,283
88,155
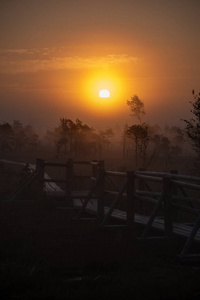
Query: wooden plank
48,164
167,199
115,193
158,223
100,192
149,178
54,180
186,199
148,193
119,174
111,209
186,208
82,162
75,194
131,199
163,174
152,217
191,237
151,200
187,185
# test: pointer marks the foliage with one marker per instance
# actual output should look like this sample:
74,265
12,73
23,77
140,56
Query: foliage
6,136
16,137
72,136
103,139
193,125
20,138
138,132
137,107
140,135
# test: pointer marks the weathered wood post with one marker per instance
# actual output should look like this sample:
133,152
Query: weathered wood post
100,194
101,164
191,237
94,172
94,168
175,212
141,186
168,215
40,165
69,181
130,198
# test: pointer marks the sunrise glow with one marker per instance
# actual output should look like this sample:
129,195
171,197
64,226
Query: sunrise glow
104,94
63,69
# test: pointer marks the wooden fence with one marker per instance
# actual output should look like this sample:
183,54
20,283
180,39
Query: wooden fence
169,197
153,199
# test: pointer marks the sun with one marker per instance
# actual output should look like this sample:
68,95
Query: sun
104,94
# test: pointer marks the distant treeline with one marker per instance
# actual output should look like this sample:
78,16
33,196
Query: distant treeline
68,137
140,144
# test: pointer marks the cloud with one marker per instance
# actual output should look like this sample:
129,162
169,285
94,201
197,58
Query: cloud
23,61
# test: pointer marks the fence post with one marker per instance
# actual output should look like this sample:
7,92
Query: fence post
100,195
168,215
130,198
94,168
101,164
141,186
175,212
69,181
40,164
191,237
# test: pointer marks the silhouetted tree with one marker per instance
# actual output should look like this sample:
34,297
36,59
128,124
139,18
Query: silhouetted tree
138,132
104,139
137,107
124,141
20,137
72,136
50,137
82,136
192,128
6,136
140,135
32,139
63,135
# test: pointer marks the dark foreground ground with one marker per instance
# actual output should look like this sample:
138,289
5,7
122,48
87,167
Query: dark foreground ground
45,254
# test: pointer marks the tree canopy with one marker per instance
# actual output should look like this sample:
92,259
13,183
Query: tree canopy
137,107
193,125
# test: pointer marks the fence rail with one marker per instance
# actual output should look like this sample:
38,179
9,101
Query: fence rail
167,194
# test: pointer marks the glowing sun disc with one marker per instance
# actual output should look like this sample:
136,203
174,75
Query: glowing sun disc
104,94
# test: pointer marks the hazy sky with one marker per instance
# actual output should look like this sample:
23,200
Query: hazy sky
55,56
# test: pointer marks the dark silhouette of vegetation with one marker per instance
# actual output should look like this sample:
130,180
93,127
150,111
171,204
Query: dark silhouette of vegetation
16,137
104,139
76,139
149,143
192,128
142,145
140,135
20,137
6,136
137,107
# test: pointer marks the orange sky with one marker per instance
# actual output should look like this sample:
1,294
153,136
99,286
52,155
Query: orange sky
56,55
